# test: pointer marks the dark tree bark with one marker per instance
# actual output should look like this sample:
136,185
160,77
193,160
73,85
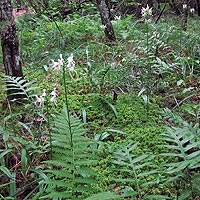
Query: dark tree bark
104,10
10,44
198,7
173,4
186,15
138,10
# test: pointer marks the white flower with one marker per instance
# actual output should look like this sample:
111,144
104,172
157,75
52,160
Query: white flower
53,100
192,10
40,99
117,18
51,63
146,12
54,95
61,58
43,93
56,66
71,63
184,6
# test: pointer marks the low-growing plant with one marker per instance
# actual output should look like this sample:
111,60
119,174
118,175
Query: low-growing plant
183,146
70,173
18,156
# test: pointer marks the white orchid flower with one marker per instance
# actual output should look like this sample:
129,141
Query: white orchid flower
40,99
44,93
184,6
192,10
61,58
54,96
146,13
117,17
57,66
71,63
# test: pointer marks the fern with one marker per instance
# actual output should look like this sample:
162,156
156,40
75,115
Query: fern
183,149
17,86
70,173
136,169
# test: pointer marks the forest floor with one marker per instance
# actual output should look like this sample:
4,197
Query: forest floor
124,92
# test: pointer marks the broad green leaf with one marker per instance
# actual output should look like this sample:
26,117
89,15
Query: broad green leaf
110,105
104,196
156,197
24,160
6,171
5,152
13,187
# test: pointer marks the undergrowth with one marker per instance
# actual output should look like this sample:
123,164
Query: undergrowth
112,141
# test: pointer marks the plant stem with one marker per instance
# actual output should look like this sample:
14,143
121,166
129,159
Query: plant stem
49,129
149,70
70,128
135,175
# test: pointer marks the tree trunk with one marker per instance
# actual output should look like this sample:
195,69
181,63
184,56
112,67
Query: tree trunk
138,10
10,44
173,4
198,7
103,7
186,15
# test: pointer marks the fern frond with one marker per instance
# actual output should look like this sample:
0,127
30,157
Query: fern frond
70,173
135,167
59,163
20,86
182,146
57,195
59,173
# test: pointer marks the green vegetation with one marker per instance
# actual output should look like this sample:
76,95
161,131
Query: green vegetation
129,127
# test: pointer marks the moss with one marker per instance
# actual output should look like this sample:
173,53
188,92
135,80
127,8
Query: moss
147,137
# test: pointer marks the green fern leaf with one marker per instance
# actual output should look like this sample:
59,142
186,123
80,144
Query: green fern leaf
184,147
69,170
20,86
134,167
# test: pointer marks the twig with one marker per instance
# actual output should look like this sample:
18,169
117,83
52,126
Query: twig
161,13
179,103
